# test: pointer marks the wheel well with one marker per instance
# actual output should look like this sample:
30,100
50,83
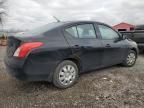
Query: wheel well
77,62
134,50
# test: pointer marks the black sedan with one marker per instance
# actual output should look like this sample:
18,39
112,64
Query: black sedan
59,52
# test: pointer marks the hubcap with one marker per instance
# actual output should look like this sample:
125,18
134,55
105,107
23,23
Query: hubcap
67,74
131,59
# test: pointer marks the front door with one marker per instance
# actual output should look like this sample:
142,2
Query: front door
114,51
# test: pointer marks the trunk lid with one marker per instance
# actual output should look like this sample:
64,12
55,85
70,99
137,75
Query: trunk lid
15,41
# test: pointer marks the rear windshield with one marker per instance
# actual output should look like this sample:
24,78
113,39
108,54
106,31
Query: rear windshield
43,29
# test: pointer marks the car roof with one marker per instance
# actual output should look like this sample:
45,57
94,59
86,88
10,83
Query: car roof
74,22
56,25
59,25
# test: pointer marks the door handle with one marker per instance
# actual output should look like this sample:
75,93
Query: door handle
108,45
76,46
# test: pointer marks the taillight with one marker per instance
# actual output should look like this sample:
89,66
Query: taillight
25,48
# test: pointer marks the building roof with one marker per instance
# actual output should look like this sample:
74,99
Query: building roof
123,24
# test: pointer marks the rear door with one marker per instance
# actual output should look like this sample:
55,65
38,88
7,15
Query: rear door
85,45
114,51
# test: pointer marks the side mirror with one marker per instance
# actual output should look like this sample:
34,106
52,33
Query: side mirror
118,39
121,37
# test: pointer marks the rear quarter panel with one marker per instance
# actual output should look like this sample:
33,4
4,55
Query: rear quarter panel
45,59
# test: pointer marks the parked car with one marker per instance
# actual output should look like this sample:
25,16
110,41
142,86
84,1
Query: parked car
136,35
59,52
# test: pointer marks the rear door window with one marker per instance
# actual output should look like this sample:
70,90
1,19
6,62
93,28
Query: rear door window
86,31
82,31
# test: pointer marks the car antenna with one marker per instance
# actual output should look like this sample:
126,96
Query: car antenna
56,19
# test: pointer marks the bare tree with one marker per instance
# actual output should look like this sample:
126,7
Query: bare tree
2,11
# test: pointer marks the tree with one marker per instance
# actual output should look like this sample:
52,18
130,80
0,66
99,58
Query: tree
2,11
2,14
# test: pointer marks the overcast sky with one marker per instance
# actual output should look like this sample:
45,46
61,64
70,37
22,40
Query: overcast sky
27,14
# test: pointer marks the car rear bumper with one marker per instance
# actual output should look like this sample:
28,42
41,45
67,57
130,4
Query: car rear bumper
17,73
24,71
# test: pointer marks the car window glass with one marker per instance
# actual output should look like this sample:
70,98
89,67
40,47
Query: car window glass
86,31
107,32
72,31
43,29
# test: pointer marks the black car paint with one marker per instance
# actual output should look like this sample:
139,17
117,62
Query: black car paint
114,50
88,54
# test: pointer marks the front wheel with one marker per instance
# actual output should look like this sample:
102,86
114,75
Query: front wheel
130,59
66,74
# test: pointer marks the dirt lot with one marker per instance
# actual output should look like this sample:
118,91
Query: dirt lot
114,87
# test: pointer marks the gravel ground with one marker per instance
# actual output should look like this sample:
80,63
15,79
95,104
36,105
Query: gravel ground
114,87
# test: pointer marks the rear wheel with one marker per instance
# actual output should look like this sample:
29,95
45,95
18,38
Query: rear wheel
130,59
66,74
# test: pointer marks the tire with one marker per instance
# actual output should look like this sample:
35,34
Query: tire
130,60
65,75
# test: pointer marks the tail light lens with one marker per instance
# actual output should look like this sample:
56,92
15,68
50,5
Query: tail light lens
25,48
